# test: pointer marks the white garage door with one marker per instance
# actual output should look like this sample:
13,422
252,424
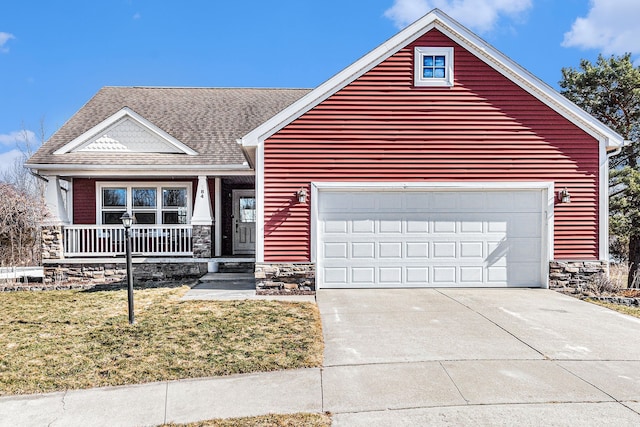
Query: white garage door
430,238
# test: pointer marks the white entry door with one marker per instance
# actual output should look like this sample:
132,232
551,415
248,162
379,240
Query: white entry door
431,238
244,222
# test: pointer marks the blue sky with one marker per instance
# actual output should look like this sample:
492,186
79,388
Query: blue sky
55,55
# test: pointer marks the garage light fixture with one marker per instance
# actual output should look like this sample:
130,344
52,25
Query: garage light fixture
302,195
564,196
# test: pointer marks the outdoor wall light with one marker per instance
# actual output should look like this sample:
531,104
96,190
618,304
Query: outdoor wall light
302,195
564,196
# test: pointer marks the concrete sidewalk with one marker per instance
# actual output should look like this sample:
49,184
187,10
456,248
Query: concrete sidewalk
407,358
174,401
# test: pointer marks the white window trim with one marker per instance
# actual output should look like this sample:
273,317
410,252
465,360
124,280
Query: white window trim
158,185
420,53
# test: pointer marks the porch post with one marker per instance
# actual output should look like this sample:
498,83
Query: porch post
55,203
201,221
202,207
218,216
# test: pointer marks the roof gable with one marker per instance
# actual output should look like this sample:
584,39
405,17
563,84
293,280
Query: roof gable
436,19
126,131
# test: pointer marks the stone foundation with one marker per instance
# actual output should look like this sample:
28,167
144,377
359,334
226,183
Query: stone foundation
285,278
117,272
571,276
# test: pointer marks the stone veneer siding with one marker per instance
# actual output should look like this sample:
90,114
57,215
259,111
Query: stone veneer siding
569,276
52,242
117,271
201,236
285,278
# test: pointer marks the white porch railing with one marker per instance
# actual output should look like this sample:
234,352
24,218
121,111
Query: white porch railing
108,240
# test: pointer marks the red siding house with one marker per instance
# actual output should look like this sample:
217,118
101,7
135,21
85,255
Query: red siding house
432,161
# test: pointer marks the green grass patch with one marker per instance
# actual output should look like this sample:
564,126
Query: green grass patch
60,340
292,420
620,308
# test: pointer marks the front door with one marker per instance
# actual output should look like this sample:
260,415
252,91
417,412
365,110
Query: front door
244,222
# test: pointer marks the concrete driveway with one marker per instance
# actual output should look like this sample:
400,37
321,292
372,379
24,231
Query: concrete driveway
477,357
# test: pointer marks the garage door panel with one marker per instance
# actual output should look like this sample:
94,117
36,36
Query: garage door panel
444,250
417,226
390,226
335,250
390,250
472,250
417,275
417,250
444,275
363,275
468,238
363,250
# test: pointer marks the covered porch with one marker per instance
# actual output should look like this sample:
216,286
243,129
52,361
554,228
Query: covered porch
214,224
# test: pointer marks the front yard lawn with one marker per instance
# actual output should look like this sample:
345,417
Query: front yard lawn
632,311
58,340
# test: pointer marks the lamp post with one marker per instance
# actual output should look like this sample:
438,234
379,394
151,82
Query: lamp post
127,220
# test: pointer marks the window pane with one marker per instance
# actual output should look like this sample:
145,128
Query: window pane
112,217
144,197
428,61
439,73
145,217
439,62
174,217
174,197
247,209
428,73
114,197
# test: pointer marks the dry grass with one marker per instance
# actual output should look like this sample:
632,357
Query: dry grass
293,420
631,311
61,340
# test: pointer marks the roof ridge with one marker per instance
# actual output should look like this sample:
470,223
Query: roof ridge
206,87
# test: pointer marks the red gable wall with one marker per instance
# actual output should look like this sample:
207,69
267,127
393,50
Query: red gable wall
381,128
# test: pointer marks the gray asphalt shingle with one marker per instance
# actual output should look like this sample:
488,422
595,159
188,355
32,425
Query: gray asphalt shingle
209,120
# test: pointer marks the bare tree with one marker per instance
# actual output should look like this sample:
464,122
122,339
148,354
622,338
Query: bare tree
20,217
19,176
22,207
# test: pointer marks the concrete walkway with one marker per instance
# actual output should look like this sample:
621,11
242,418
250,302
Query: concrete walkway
407,358
233,287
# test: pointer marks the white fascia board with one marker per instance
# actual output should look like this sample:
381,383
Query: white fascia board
140,170
125,112
483,50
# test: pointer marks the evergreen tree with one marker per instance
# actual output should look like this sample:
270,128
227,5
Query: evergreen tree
610,91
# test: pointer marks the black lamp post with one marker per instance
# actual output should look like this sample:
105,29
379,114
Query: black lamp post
127,220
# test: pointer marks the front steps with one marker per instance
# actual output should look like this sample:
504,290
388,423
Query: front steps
229,281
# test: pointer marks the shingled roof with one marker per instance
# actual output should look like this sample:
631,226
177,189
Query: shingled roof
208,120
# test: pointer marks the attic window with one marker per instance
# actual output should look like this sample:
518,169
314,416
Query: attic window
433,66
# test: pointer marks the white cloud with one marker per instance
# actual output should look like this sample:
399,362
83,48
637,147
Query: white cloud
16,137
480,15
610,26
4,38
7,160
